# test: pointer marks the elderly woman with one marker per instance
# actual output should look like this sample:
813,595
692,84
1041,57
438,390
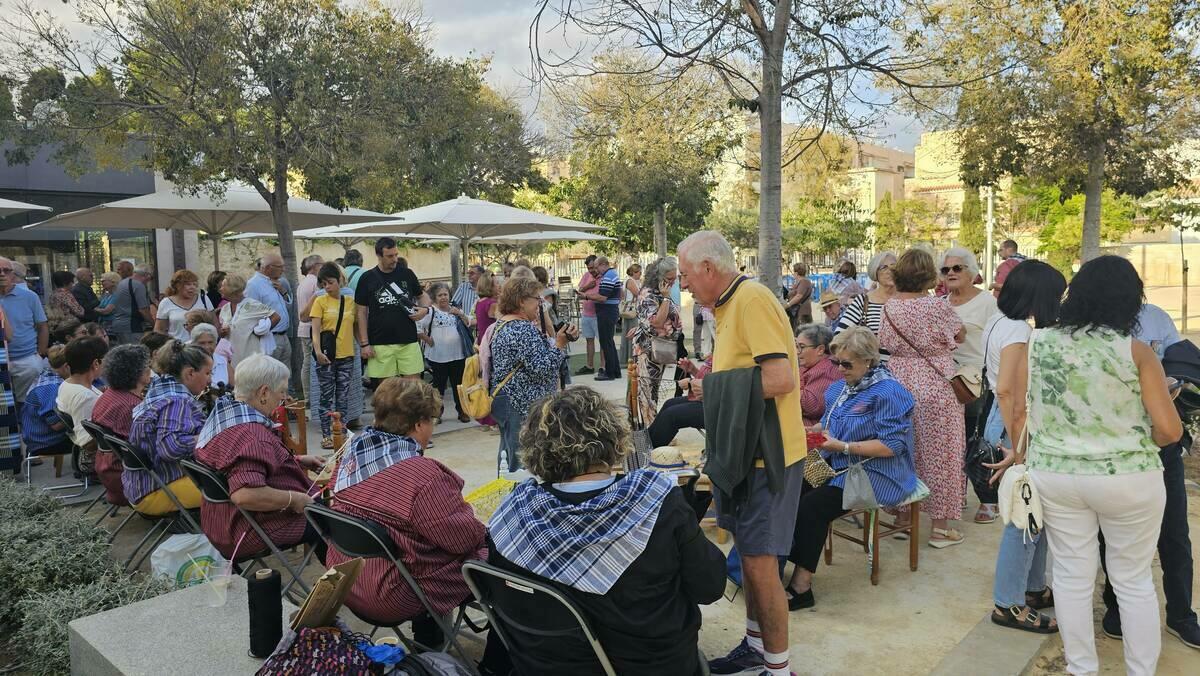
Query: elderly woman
239,441
658,317
246,321
974,307
799,302
183,295
61,303
921,332
126,370
683,411
817,372
867,310
868,419
627,550
521,366
385,477
206,337
446,345
629,301
108,282
165,426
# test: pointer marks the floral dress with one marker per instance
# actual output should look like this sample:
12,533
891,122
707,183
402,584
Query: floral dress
650,373
930,324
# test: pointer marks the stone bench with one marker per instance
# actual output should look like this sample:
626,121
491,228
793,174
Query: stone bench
176,633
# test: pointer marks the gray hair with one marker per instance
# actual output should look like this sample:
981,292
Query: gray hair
817,334
235,283
522,271
877,260
858,342
967,257
110,277
259,370
309,261
141,269
203,328
603,260
711,246
438,286
657,271
19,269
124,365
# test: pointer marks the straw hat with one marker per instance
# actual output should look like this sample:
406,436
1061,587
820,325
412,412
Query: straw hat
827,298
667,457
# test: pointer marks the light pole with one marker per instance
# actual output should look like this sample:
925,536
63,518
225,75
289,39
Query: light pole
990,237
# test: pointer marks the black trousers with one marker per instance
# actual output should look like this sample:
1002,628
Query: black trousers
818,508
450,372
1174,545
608,317
675,415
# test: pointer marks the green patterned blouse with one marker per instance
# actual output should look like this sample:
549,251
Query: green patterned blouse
1085,405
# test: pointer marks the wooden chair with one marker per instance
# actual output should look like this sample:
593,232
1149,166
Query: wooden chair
873,530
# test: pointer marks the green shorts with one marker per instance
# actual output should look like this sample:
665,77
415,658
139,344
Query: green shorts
396,360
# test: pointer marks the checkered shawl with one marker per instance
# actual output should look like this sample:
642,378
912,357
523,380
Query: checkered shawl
163,387
586,546
372,451
47,377
229,412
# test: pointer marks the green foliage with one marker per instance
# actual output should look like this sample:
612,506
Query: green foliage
42,85
972,232
42,643
819,227
738,224
901,223
1057,219
7,110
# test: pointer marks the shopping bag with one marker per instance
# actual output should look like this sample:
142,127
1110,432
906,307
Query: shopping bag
187,559
857,492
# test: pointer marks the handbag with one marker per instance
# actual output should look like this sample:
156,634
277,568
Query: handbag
663,351
857,492
817,472
329,338
966,386
1020,504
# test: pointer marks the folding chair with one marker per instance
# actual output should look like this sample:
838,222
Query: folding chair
134,462
75,450
214,488
364,538
98,433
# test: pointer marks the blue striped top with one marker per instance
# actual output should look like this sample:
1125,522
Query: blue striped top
610,287
883,411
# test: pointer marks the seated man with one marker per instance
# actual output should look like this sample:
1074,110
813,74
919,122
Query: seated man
680,412
628,551
41,429
239,441
77,394
385,477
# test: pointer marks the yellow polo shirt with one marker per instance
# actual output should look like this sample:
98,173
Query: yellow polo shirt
751,328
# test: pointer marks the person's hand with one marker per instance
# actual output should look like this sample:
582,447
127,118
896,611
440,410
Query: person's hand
685,384
565,335
428,340
321,358
278,286
999,467
300,501
698,389
664,287
224,331
311,462
687,365
368,352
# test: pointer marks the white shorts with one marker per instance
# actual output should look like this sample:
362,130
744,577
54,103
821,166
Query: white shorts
587,327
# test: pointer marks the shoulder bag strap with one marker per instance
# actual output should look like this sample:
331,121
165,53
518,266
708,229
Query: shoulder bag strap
341,312
511,373
908,342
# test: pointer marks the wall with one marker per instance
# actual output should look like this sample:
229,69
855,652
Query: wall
239,255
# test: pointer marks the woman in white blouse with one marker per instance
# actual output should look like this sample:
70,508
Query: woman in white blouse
183,296
445,349
974,307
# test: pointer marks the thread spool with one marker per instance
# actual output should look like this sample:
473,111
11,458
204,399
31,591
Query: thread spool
264,593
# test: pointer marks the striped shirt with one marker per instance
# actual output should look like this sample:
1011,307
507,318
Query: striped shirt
251,456
165,432
114,410
862,312
38,414
465,297
882,411
419,502
610,287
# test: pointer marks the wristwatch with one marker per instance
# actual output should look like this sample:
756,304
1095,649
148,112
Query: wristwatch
846,446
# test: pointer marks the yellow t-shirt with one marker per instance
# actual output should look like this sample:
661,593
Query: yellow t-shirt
324,318
751,326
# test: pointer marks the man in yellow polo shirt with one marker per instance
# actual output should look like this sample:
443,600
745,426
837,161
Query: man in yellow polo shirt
753,330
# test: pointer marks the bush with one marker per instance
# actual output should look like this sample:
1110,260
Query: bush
42,641
19,502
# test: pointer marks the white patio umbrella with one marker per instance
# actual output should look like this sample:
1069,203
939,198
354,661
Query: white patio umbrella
545,236
10,207
241,209
346,239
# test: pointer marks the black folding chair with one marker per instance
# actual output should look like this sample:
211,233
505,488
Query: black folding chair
75,451
214,488
134,462
98,433
364,538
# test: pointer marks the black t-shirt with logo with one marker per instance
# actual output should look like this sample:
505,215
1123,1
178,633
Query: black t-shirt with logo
389,298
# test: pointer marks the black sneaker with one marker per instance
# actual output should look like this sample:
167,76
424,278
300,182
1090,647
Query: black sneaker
585,370
740,659
604,376
799,600
1111,624
1189,634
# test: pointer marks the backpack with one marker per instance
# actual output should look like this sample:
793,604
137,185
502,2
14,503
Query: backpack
473,391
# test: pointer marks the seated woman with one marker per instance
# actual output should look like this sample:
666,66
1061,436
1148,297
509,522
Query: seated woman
627,550
77,395
164,429
817,372
126,369
42,431
239,441
868,419
680,412
385,478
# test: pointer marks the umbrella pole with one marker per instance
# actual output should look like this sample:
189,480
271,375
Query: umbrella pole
216,239
455,262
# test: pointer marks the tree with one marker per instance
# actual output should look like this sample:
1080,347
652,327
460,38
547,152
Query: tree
823,227
972,234
739,225
1097,94
900,223
815,55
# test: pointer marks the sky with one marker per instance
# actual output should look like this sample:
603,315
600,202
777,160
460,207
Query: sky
499,29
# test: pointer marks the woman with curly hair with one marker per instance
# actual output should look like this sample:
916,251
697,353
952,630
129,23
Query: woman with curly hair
657,317
627,550
183,295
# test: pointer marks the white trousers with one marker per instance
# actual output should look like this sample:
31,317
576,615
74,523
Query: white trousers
1129,509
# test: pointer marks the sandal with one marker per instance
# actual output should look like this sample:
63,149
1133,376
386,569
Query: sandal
1025,619
948,538
1040,600
986,514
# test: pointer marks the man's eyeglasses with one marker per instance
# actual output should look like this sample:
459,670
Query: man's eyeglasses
844,365
956,268
6,271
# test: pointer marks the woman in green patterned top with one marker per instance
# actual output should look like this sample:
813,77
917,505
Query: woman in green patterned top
1098,409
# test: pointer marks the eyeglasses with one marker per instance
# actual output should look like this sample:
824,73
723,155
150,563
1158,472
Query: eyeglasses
844,365
956,268
881,268
802,346
5,271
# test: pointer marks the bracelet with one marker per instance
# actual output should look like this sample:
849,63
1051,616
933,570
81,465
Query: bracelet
366,344
289,504
847,449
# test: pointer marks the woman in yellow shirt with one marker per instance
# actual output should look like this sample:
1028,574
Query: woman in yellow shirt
333,347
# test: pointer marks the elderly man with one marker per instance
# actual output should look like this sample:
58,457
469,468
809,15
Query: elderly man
465,296
30,333
131,316
125,269
269,287
306,290
607,299
753,331
831,305
389,299
85,295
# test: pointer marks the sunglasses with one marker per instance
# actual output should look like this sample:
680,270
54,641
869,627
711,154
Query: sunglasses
844,365
5,271
956,268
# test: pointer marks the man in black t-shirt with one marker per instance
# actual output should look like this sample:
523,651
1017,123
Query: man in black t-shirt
390,303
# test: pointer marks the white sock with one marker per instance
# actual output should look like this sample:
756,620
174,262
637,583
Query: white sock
777,663
754,636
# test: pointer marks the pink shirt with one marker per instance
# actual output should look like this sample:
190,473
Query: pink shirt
305,290
587,308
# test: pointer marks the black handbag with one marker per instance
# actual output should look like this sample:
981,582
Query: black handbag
979,450
329,338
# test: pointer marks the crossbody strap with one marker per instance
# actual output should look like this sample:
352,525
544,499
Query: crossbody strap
341,313
510,373
903,337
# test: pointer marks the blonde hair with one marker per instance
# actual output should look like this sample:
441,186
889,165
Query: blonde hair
858,342
235,283
400,404
569,432
517,289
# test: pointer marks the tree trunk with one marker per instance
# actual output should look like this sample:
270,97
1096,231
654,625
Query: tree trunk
770,112
660,230
455,263
1092,188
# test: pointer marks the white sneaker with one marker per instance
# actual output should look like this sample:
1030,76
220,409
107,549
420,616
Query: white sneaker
518,476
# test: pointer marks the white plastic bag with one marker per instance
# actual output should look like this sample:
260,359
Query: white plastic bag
187,559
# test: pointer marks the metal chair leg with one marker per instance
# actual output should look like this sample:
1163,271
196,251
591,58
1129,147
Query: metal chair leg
149,533
150,550
93,503
107,513
121,525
